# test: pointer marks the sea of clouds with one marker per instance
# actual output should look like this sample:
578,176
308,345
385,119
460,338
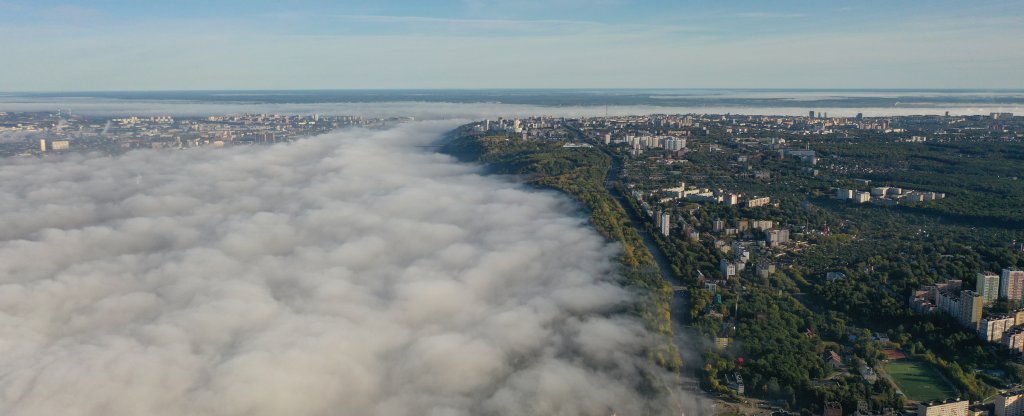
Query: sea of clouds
352,273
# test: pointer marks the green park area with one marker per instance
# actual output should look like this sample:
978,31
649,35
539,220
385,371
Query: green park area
919,381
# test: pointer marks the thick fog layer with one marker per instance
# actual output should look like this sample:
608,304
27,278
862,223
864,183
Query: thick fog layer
347,274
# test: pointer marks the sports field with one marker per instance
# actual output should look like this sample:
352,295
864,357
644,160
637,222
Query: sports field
919,381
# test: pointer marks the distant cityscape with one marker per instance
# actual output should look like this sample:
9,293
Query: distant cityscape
34,134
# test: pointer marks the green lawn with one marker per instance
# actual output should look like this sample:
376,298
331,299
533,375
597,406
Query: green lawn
919,381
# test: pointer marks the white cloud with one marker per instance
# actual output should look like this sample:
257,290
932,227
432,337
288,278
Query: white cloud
344,274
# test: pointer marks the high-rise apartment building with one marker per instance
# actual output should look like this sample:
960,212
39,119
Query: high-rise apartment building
992,328
1010,404
1011,285
971,304
965,306
988,286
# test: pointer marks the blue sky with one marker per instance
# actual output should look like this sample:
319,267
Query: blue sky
305,44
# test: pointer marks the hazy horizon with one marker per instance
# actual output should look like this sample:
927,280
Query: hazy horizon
491,103
574,89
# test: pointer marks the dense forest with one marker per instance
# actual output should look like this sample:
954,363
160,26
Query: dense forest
983,180
781,324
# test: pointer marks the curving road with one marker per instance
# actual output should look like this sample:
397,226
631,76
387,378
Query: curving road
687,340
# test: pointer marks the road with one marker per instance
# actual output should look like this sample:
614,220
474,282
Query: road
687,340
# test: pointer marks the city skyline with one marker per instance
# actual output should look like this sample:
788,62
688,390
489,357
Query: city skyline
233,45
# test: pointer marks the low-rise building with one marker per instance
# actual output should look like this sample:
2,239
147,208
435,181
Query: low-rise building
765,269
60,145
735,382
727,268
862,197
774,238
833,276
718,226
758,202
833,409
832,360
868,374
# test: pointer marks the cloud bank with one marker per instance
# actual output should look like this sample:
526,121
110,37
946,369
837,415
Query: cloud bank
346,274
